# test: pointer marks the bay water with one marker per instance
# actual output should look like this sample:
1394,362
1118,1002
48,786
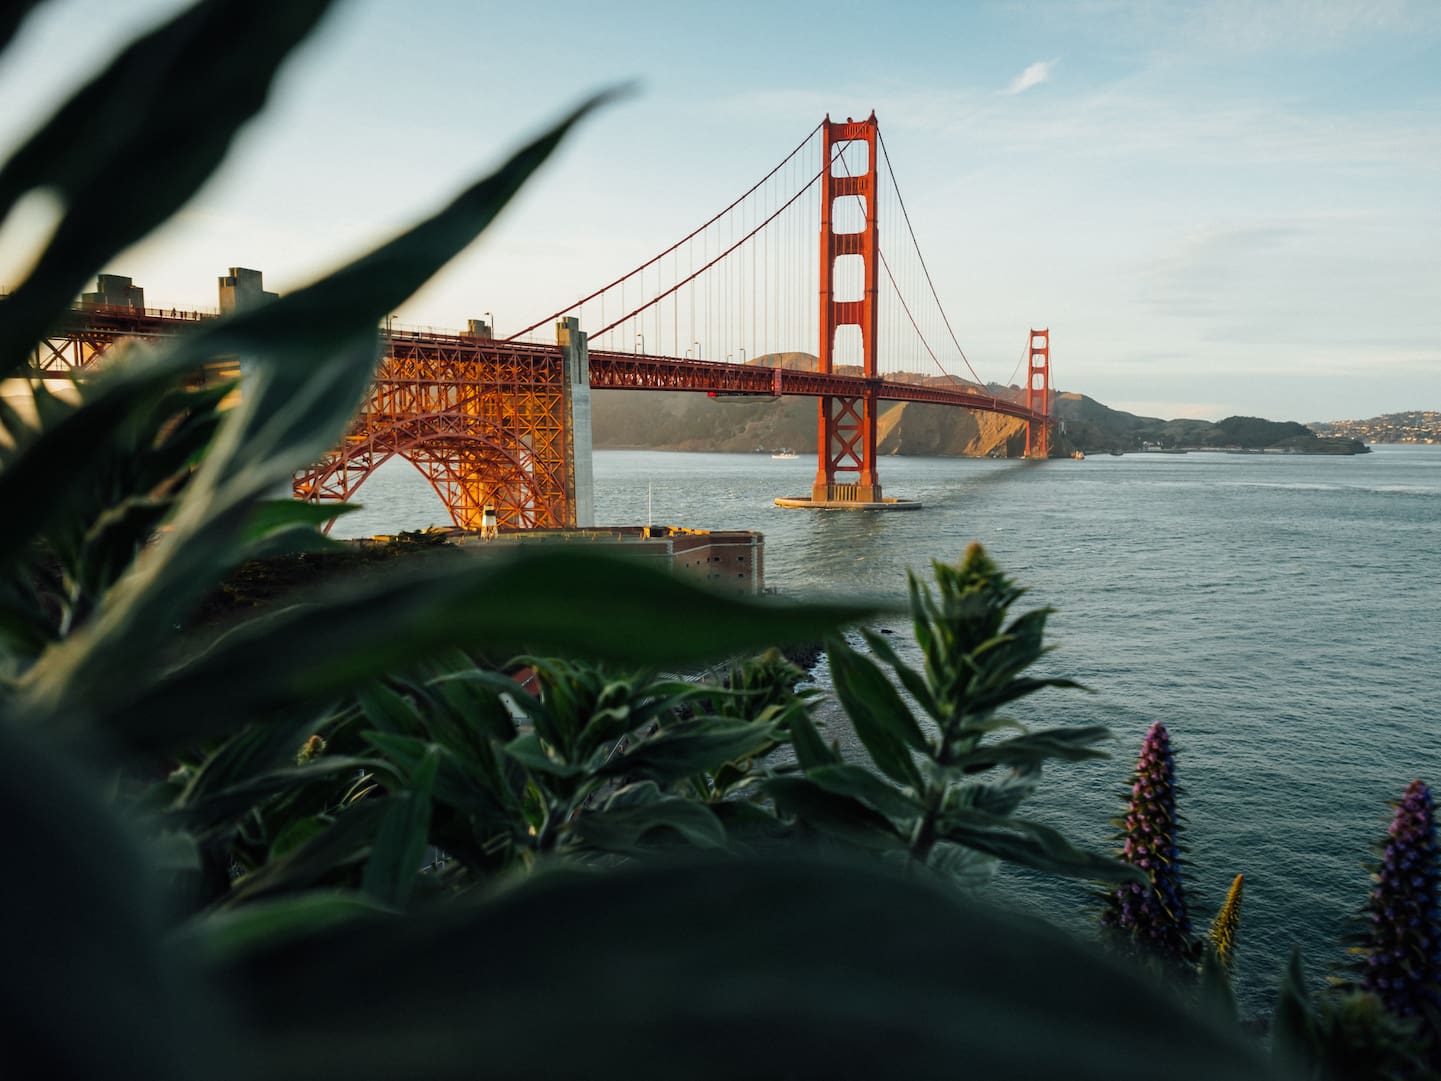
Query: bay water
1281,614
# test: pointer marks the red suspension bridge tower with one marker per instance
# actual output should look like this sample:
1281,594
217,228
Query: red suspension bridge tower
847,433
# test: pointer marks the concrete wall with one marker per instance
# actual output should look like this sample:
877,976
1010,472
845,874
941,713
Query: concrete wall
114,291
242,288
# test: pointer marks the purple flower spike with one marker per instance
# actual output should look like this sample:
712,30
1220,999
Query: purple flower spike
1152,917
1402,955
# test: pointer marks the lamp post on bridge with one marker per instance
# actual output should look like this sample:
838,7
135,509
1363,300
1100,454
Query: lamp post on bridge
640,341
489,321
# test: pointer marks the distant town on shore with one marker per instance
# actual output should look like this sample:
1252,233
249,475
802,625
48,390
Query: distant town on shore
1415,426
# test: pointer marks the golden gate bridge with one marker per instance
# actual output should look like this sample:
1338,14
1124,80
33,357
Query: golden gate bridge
504,423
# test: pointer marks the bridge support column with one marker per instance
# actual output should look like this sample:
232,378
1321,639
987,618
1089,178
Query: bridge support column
846,476
578,439
1038,393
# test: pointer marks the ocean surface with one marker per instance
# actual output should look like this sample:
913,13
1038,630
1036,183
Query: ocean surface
1281,614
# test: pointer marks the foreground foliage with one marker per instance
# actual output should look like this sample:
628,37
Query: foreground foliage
337,843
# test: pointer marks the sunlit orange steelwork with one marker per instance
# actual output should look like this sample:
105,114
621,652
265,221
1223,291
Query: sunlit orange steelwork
485,422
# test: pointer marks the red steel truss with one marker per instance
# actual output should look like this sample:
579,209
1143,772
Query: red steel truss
485,422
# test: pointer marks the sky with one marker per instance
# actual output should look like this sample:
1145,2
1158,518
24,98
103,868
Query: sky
1217,207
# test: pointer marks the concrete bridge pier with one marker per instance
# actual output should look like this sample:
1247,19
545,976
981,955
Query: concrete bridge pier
578,440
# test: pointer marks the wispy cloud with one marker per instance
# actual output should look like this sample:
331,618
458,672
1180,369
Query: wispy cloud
1034,75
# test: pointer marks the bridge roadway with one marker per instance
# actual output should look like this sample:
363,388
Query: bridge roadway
629,371
608,370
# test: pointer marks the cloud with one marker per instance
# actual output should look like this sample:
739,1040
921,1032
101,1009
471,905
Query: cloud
1034,75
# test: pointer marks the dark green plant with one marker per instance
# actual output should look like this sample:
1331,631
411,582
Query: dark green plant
945,785
1341,1034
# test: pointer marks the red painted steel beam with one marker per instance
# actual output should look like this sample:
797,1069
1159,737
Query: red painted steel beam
629,371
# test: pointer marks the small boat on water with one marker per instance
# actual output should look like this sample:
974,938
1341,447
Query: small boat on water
1080,456
784,452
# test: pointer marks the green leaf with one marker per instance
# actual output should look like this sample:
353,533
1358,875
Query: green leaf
881,720
212,805
1032,845
456,785
88,991
226,937
387,710
296,834
302,658
812,752
1036,748
630,816
530,753
174,850
699,745
842,817
914,683
404,831
845,780
1294,1037
204,73
836,971
11,16
395,859
344,843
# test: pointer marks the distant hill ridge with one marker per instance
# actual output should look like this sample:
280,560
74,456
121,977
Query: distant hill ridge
671,420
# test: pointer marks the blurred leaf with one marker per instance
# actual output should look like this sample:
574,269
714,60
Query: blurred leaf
304,657
173,850
87,991
828,972
159,119
316,350
1214,994
631,815
223,937
1293,1024
12,15
395,860
880,718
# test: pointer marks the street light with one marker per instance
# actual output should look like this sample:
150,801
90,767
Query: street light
489,322
640,340
697,349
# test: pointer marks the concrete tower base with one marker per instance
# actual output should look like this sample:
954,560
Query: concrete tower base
804,502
